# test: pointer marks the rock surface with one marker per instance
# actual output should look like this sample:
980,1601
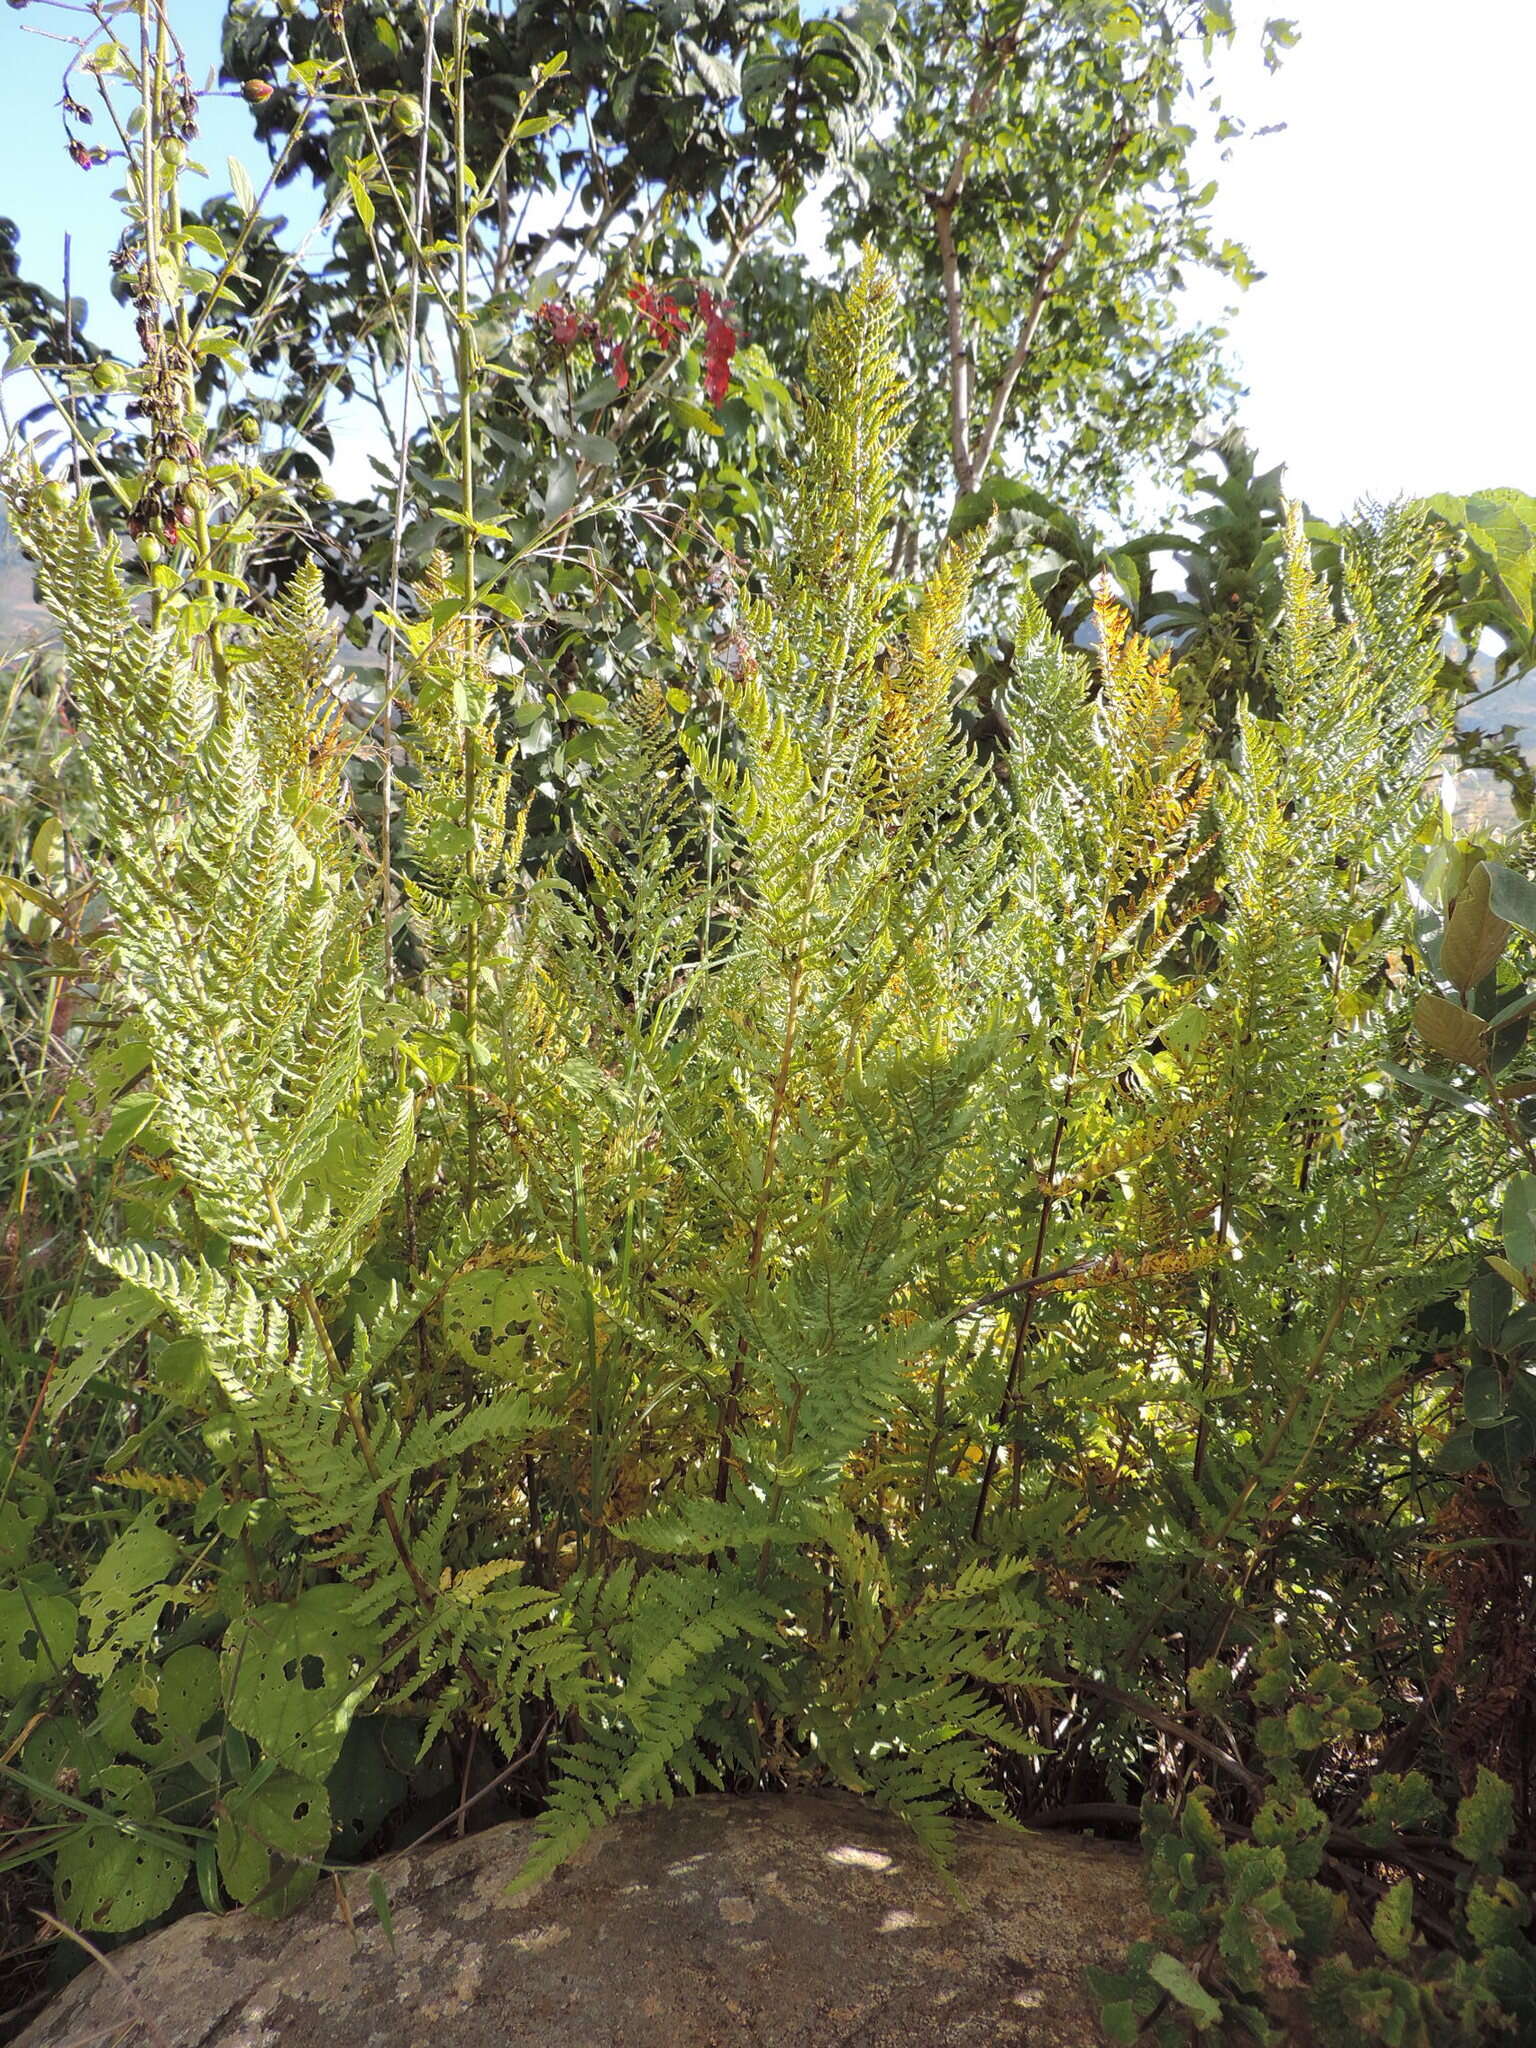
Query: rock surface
793,1922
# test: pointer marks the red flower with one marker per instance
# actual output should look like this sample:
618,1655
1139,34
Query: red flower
562,324
660,312
720,339
618,363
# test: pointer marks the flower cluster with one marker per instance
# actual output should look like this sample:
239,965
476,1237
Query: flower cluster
668,323
660,312
565,329
719,347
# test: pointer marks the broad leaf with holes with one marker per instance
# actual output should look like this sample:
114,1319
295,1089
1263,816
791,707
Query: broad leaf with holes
113,1875
294,1675
271,1837
37,1637
124,1598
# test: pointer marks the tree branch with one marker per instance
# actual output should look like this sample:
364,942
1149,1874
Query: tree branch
1045,280
943,204
954,325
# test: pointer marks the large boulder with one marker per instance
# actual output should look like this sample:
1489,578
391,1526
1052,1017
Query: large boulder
793,1922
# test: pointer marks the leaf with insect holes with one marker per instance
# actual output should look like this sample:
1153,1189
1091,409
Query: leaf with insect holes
37,1638
1485,1820
100,1324
294,1676
112,1875
485,1313
125,1595
1392,1922
270,1839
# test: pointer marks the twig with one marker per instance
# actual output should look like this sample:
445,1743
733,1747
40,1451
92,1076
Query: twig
146,2018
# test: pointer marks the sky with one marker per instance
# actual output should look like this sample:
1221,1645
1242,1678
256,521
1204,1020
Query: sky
1386,350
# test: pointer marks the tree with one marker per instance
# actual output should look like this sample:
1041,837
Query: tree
1024,164
604,377
1037,184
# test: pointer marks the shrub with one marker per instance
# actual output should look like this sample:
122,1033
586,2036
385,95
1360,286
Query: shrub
869,1273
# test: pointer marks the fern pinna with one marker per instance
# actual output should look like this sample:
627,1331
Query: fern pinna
852,1255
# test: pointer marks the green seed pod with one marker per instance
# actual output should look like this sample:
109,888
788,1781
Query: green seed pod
250,431
405,114
109,377
150,549
196,494
173,151
167,472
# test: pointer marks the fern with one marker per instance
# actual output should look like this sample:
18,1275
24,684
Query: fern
860,1251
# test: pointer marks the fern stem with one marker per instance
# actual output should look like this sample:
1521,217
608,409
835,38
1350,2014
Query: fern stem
353,1412
1320,1351
316,1314
1208,1341
1026,1320
465,369
730,1420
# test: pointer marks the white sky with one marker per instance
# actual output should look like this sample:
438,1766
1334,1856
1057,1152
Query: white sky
1388,349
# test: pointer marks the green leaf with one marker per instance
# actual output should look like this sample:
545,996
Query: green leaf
718,73
187,1694
271,1837
100,1324
1489,1300
1441,1090
1512,1274
380,1898
294,1675
690,415
240,184
112,1875
1180,1982
585,704
1475,934
1449,1029
485,1315
1511,896
1519,1221
37,1639
1121,24
1485,1820
207,1866
208,239
130,1115
125,1595
363,1787
1482,1397
362,198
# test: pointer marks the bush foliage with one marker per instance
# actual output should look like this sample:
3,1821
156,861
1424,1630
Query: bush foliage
882,1277
1001,1280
